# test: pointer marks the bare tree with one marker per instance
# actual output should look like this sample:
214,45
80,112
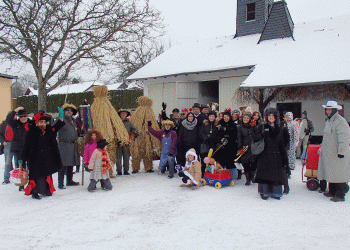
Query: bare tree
136,55
57,37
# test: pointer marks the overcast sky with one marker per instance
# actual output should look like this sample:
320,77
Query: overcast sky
198,19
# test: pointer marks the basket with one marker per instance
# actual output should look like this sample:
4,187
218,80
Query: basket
19,176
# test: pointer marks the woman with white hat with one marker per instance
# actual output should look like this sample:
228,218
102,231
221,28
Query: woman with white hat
334,163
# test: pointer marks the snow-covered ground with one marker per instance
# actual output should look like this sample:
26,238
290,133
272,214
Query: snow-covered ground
149,211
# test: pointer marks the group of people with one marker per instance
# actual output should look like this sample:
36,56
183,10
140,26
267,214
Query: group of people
50,145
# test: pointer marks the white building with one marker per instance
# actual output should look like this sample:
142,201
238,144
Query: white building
267,51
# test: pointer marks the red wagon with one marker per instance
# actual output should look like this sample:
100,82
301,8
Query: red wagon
311,163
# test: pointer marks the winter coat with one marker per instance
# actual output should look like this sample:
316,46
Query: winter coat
336,140
209,133
226,154
244,138
200,119
95,164
67,143
41,151
19,130
186,140
196,171
271,163
89,149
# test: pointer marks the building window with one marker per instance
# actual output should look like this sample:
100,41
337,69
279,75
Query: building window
250,11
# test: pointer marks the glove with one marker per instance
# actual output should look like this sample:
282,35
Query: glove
241,152
307,131
340,156
164,105
21,162
60,112
149,123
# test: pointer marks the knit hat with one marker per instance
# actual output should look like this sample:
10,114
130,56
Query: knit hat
124,110
192,151
304,113
102,143
176,110
71,106
248,110
236,111
196,105
248,115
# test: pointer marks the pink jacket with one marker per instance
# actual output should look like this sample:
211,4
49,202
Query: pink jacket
89,149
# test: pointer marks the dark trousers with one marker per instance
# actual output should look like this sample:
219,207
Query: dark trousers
338,189
107,184
61,172
42,187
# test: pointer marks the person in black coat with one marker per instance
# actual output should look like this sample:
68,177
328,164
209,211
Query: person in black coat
19,127
187,138
244,138
226,155
209,135
198,114
273,161
41,152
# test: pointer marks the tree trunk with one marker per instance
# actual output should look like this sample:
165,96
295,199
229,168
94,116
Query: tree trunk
42,94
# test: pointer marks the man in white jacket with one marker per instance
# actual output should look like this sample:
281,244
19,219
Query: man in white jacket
334,163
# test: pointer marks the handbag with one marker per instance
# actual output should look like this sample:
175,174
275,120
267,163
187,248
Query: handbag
257,147
204,147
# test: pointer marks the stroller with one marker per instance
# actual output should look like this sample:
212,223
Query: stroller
310,159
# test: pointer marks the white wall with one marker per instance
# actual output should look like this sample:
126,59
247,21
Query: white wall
316,113
227,89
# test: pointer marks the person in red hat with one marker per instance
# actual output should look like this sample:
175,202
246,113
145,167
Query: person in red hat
40,151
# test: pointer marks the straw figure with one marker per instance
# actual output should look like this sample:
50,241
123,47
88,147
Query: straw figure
108,122
145,146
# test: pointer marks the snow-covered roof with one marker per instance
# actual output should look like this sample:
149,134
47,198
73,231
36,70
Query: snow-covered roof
33,91
114,86
320,52
75,88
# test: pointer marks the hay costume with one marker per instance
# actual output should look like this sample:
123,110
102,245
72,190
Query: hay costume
99,164
41,152
192,173
145,146
107,121
169,141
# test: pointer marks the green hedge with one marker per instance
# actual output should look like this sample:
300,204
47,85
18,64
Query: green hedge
119,99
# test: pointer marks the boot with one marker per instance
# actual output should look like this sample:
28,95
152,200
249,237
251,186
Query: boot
70,181
247,176
252,176
36,196
239,174
336,199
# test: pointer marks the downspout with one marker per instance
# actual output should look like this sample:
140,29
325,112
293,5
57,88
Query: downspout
16,77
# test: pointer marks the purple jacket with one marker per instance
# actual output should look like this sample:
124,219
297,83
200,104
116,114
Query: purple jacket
159,134
89,149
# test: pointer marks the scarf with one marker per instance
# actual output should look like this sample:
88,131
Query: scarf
105,164
189,125
189,163
42,128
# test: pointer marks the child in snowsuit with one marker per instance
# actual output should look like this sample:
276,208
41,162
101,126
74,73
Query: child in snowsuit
192,171
99,164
